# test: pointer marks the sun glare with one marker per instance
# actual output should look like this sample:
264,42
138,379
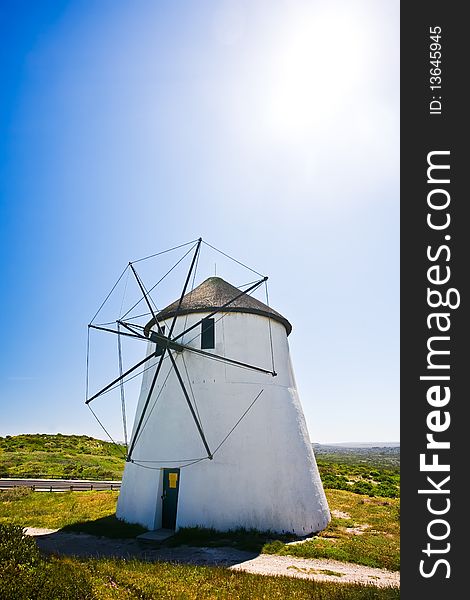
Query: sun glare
320,60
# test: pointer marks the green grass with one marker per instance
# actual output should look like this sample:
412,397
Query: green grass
25,574
374,540
148,581
87,512
367,533
241,539
370,535
74,579
54,509
109,527
60,456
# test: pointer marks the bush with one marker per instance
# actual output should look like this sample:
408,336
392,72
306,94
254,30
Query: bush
363,487
386,490
16,548
24,575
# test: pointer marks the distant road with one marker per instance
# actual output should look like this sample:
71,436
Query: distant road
59,485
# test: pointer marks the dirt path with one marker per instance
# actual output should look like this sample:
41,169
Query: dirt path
84,545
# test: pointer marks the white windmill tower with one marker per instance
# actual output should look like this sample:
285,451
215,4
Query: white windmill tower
219,438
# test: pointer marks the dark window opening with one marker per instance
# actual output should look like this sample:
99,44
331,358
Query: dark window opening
208,333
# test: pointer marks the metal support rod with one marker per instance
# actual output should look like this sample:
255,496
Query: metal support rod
123,399
180,347
118,379
145,293
186,395
129,327
113,331
142,414
188,277
164,348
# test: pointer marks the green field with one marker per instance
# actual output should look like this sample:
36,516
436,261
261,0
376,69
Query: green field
60,456
24,575
362,486
367,533
103,579
364,529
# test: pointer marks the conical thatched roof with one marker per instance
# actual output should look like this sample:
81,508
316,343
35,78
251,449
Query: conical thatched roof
211,295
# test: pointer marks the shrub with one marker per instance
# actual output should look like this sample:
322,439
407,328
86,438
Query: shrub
16,548
363,487
24,575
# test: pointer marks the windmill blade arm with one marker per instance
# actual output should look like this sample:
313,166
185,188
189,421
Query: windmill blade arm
154,319
229,361
186,283
147,401
129,328
114,331
118,379
145,293
156,337
188,400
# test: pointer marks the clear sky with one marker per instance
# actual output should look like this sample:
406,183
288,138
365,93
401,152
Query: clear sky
268,127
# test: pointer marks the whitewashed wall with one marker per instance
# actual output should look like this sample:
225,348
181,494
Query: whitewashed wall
265,475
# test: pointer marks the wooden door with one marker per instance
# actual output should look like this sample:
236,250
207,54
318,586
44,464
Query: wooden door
171,482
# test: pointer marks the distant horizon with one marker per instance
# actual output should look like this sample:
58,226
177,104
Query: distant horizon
360,444
350,444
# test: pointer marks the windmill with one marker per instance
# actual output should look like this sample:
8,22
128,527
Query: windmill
219,438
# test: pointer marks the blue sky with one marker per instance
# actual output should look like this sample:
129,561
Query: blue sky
268,128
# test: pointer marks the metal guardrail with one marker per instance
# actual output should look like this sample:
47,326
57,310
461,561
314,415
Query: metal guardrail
59,485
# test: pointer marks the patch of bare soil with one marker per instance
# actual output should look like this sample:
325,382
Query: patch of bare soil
359,529
52,541
339,514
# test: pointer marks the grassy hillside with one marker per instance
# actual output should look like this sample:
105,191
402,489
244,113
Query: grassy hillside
370,471
60,456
